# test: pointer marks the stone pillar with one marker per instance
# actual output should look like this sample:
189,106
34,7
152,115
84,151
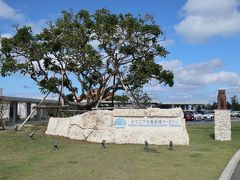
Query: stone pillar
222,126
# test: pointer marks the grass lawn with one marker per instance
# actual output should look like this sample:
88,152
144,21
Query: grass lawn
203,159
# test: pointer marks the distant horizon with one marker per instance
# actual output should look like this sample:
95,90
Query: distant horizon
52,97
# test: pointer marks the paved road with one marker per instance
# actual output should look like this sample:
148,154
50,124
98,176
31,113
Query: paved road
235,119
236,173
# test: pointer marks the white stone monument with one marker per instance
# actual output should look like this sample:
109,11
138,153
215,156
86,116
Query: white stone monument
222,126
124,126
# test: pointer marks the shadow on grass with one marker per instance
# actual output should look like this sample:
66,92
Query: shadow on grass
195,155
151,150
7,129
212,135
72,162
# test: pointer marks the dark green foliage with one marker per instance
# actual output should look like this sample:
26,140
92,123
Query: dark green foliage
213,106
199,108
143,98
235,106
87,50
121,100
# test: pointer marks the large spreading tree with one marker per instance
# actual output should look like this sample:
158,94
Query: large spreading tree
88,55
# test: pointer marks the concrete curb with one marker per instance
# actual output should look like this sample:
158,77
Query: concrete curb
228,171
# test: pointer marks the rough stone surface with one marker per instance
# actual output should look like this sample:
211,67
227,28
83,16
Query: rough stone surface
123,126
222,99
222,126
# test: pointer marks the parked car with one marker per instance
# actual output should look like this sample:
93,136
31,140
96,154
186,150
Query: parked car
198,116
235,114
207,115
188,116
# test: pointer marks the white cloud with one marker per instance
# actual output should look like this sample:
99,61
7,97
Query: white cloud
7,35
196,82
167,42
7,12
205,67
234,89
201,74
172,65
205,19
210,7
38,25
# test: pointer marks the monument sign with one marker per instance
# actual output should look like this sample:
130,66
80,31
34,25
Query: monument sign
123,126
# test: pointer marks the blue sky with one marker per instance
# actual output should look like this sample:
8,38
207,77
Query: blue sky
203,38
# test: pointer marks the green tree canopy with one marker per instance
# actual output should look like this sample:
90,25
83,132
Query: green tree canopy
100,51
234,103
